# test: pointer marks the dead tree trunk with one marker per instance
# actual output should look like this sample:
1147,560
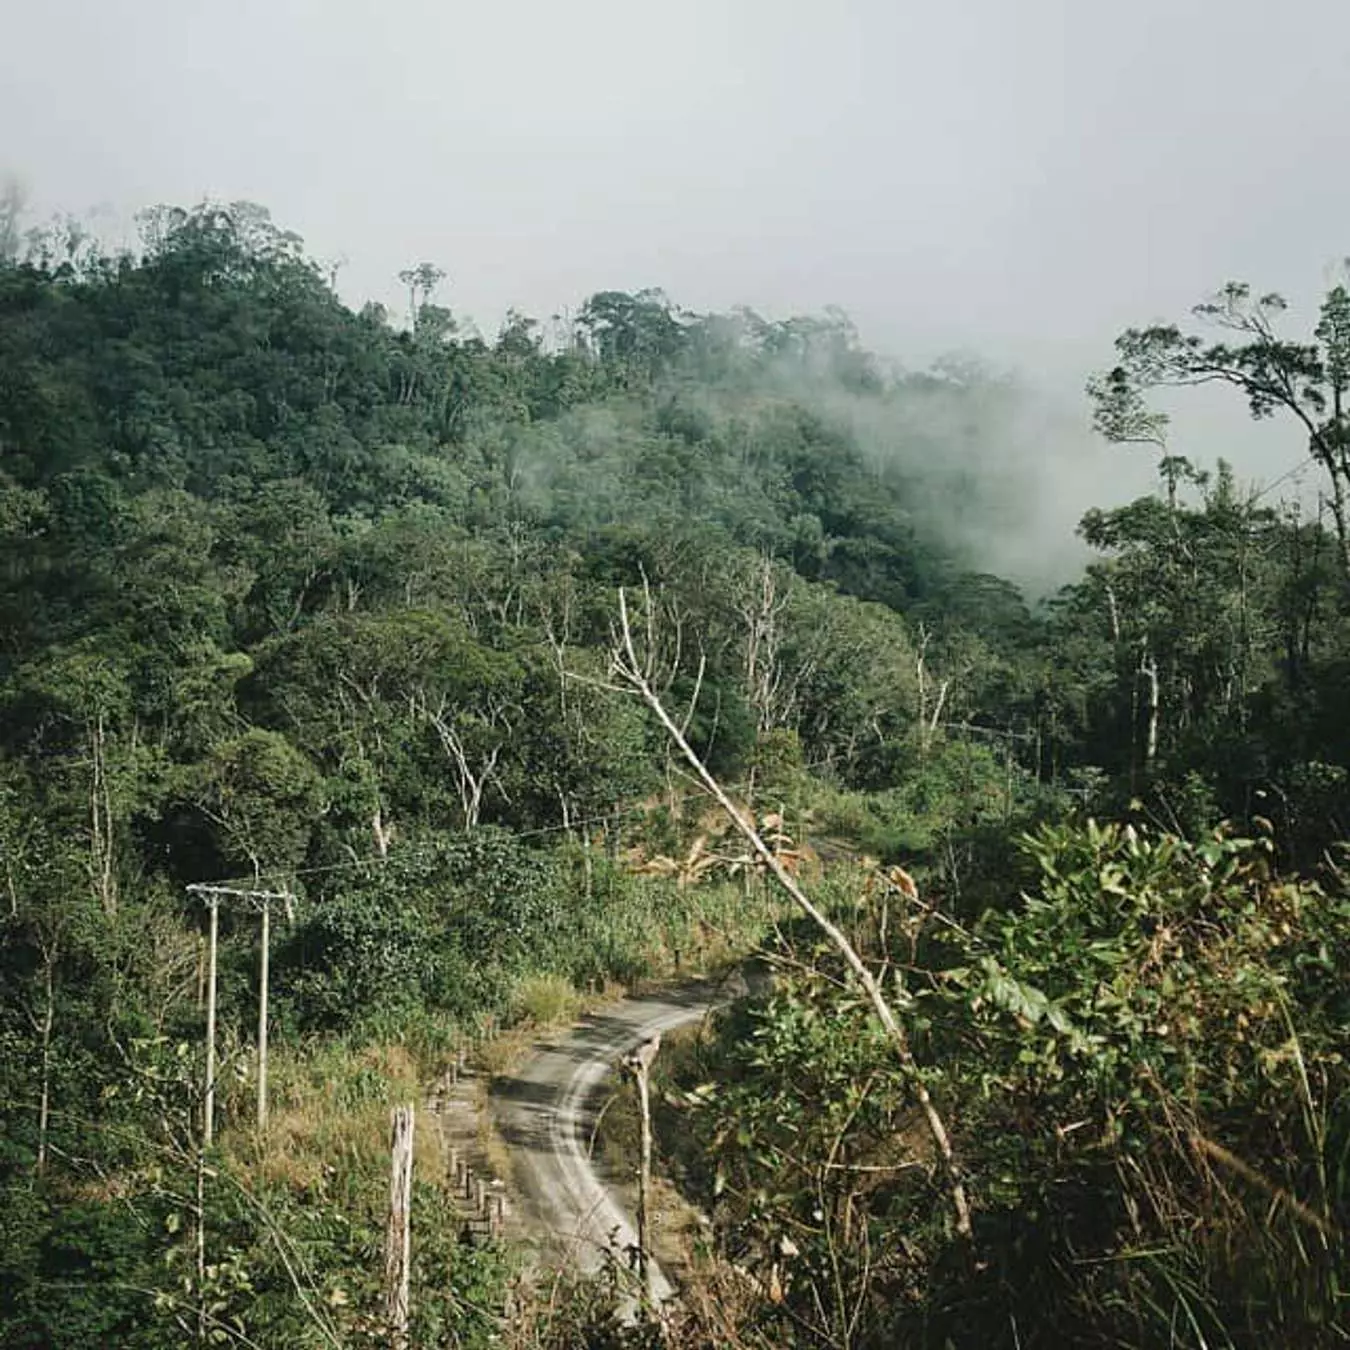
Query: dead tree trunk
45,1025
932,701
383,831
398,1236
101,862
1148,668
761,610
475,770
632,673
639,1064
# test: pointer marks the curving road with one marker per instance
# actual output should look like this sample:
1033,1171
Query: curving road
546,1112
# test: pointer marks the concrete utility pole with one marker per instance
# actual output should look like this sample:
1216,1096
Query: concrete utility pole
264,975
261,900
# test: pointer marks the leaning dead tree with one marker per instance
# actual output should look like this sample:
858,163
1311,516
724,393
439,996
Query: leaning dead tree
632,673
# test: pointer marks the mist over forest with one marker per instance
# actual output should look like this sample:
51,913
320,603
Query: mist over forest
437,648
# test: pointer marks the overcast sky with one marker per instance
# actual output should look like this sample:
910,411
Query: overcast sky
1017,177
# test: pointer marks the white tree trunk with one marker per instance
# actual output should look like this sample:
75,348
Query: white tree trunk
45,1031
629,670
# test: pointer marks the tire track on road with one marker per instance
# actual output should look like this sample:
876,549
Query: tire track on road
545,1113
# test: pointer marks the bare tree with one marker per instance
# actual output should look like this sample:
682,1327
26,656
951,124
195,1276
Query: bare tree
48,939
760,607
102,859
474,766
932,692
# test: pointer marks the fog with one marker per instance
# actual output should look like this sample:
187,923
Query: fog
1019,179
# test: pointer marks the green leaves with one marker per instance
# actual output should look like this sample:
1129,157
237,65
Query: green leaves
1149,1003
262,796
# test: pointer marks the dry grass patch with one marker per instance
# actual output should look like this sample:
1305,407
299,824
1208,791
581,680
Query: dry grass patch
545,1001
330,1111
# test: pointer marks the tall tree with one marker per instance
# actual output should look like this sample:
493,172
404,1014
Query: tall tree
1308,381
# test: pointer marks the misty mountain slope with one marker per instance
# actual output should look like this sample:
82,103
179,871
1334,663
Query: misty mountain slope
220,361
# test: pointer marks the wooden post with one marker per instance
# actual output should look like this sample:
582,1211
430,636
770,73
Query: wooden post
200,1218
398,1238
639,1063
209,1102
263,974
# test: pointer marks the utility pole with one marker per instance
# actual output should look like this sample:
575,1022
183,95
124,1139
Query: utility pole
264,974
209,1097
261,900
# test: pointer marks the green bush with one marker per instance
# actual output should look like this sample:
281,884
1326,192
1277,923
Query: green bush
1144,1068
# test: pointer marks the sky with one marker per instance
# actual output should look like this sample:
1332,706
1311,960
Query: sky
1017,178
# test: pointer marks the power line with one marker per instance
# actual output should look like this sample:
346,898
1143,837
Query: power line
546,831
541,831
1284,477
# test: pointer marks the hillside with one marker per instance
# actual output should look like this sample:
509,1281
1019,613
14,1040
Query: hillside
306,599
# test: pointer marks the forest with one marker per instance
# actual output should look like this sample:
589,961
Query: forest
324,604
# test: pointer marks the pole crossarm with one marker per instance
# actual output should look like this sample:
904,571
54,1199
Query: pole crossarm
237,892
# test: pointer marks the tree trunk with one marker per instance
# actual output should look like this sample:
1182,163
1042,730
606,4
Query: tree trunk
1148,667
1338,515
384,833
100,821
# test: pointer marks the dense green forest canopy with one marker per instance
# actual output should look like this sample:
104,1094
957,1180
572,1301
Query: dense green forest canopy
324,599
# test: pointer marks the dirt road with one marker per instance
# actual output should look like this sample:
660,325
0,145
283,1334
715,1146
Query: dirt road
546,1112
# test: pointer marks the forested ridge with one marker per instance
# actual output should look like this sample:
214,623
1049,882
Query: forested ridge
323,601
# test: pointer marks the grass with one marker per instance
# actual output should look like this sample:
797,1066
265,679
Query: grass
329,1117
544,1001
